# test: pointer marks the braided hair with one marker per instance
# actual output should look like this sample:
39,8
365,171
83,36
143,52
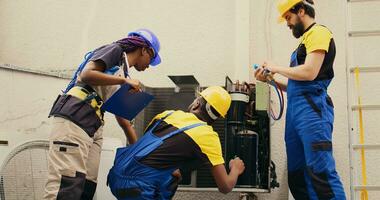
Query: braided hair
131,43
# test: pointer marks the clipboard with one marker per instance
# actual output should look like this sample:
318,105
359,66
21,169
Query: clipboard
127,104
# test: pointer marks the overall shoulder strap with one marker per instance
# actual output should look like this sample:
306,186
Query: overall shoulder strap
182,130
159,121
79,70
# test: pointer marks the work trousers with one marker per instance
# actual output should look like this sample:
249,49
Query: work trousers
309,125
73,161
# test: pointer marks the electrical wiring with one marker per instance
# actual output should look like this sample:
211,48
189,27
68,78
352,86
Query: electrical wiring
280,95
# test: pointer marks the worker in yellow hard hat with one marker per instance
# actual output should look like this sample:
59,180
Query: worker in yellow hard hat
310,112
175,140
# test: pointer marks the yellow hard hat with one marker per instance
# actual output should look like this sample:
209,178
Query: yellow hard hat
283,6
218,98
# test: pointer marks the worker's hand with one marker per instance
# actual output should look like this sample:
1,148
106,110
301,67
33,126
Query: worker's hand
134,83
271,66
173,185
259,74
177,174
237,164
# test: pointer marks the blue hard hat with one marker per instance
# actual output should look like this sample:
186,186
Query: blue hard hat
152,41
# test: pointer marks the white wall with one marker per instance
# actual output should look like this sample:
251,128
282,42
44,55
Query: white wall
197,37
25,104
209,39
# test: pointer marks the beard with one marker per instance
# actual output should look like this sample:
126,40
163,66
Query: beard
297,29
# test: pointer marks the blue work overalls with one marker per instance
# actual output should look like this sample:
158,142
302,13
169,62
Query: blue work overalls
308,136
128,179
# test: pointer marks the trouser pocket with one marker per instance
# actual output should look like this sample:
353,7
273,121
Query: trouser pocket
320,169
78,111
67,147
312,104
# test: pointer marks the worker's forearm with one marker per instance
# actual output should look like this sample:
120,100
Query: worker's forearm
282,83
226,182
129,131
130,134
298,73
231,180
93,77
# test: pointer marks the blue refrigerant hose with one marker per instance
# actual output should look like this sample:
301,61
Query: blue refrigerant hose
278,91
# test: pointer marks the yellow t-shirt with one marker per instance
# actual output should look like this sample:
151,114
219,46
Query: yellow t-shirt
318,37
190,148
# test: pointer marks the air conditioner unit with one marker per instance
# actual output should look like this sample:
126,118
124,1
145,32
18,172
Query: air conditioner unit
244,133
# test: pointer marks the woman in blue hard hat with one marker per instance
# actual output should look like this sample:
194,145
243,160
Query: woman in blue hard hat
310,112
76,137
